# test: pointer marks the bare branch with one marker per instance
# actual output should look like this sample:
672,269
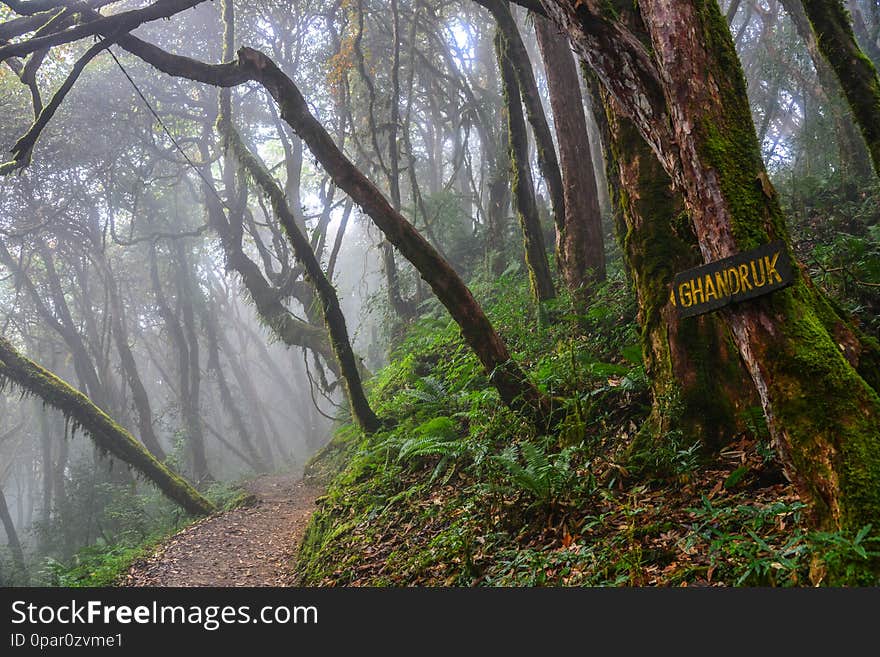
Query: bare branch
108,26
23,148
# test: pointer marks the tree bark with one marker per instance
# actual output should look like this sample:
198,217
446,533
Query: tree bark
540,278
815,374
699,385
580,246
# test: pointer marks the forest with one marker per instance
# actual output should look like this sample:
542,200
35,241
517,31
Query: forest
440,293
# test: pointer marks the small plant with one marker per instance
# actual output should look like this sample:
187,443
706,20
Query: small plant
670,456
436,437
546,477
845,556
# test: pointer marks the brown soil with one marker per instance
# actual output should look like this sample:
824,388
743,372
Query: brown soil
254,545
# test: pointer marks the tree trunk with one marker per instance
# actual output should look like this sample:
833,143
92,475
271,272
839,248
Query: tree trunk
335,320
580,247
106,434
21,573
853,152
188,412
528,89
698,383
258,461
856,73
815,374
139,396
513,385
540,278
186,298
863,34
806,361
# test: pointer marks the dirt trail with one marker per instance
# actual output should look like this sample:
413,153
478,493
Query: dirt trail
251,546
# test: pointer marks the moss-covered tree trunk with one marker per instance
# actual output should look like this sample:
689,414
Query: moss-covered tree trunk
854,155
514,387
333,317
105,433
699,385
521,66
833,26
580,247
540,278
815,374
335,320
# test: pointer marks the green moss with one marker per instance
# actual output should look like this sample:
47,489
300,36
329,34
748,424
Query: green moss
830,417
107,435
659,242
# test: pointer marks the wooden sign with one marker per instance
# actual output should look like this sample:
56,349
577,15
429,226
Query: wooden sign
738,278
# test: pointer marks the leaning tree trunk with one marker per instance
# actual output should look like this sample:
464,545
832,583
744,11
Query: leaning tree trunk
580,247
106,434
540,278
853,152
858,77
335,320
512,384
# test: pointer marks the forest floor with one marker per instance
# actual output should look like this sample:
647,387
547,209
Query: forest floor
253,545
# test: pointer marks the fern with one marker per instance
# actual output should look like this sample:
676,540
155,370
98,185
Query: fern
436,437
545,478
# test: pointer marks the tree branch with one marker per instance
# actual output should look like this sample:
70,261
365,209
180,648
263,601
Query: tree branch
108,26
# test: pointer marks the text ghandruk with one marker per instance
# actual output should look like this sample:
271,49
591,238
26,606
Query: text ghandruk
738,278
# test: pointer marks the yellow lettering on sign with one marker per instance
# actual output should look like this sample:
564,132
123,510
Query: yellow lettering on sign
755,272
733,275
771,268
697,291
721,282
672,297
744,278
684,293
710,288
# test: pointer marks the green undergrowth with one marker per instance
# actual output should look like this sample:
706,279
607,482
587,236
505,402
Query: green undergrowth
142,521
461,492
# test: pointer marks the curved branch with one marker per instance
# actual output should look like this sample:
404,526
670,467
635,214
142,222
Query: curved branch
108,26
23,148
